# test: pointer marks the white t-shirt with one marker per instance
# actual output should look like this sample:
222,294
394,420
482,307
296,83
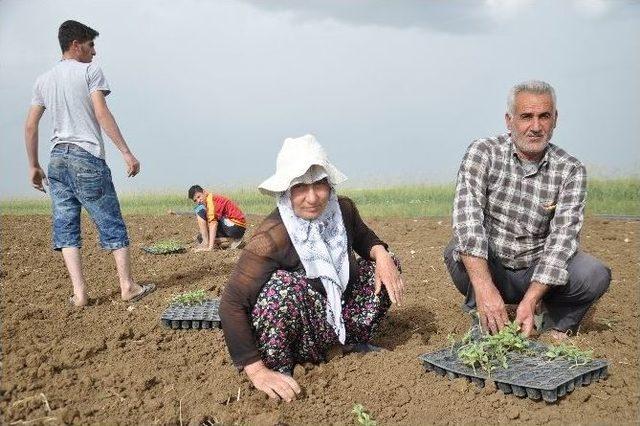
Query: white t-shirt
65,90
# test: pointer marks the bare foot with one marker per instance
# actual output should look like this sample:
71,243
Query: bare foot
143,291
223,242
79,301
130,291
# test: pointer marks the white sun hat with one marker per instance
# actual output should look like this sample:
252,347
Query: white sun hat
295,158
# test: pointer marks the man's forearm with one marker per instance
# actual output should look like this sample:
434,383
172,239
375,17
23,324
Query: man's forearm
31,143
31,134
110,127
535,292
213,228
478,271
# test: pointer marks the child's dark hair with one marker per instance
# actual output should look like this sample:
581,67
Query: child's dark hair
74,30
193,190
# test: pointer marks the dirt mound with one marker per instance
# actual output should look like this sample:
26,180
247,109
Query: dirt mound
115,363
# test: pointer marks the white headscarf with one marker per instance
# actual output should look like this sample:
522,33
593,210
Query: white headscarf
321,244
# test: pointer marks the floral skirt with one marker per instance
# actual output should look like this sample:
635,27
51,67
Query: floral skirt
289,318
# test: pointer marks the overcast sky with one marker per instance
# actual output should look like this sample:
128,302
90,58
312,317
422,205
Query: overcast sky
206,91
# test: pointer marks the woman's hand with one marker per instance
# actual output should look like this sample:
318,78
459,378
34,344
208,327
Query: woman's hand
387,274
273,383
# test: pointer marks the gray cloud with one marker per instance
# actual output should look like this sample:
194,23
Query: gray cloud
206,91
456,17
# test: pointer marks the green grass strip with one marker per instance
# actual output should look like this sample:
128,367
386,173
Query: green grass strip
615,197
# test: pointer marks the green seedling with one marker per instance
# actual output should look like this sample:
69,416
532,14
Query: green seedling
467,337
167,246
362,417
570,352
451,338
190,298
474,354
490,351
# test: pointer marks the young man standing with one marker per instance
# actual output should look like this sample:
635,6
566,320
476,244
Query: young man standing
220,220
74,92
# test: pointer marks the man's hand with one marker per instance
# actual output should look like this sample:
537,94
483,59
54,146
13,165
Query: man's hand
527,307
273,383
38,178
36,174
525,316
491,310
387,274
133,165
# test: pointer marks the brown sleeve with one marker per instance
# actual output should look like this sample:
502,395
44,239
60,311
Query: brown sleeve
363,237
262,256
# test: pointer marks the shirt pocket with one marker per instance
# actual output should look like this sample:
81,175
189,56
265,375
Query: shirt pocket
540,217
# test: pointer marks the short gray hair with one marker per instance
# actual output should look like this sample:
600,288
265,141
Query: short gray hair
531,86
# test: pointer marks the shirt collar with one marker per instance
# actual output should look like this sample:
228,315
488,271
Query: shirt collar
544,161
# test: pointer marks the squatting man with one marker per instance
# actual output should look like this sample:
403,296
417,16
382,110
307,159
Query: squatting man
517,214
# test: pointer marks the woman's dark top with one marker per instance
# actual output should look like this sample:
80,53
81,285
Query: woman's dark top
271,249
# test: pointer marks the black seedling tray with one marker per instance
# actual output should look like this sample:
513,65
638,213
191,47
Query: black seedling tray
202,316
153,250
528,375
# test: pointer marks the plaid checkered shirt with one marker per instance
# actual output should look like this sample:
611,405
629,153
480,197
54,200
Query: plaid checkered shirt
522,218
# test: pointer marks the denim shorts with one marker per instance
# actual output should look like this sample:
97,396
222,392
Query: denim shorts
79,179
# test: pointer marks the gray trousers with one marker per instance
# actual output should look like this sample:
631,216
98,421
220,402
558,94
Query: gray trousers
566,305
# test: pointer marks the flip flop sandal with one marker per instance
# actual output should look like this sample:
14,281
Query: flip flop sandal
146,289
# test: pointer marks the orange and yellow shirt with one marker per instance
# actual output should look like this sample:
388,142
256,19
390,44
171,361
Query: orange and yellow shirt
219,206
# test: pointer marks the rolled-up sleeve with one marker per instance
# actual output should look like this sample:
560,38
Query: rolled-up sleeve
469,203
563,239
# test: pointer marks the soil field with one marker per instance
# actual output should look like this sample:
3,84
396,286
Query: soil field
115,363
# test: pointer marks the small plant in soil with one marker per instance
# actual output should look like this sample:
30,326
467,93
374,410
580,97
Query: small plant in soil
451,338
362,417
167,246
570,352
190,298
490,351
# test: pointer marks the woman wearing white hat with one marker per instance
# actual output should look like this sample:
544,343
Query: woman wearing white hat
297,289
